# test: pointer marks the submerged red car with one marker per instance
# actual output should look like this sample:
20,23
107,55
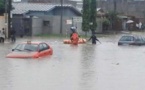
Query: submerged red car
30,50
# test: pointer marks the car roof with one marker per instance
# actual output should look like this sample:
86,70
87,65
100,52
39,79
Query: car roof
32,42
132,35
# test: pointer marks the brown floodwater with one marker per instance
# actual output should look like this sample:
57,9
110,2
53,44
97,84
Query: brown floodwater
104,66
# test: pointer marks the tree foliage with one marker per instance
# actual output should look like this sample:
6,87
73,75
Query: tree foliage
89,15
86,15
93,13
2,6
112,16
106,23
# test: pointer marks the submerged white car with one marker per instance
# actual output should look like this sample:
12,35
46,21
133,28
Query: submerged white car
131,40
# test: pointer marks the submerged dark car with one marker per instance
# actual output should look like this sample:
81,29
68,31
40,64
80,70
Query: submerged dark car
131,40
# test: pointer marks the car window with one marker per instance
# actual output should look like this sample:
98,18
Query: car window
45,46
138,39
144,39
28,47
19,47
127,38
41,47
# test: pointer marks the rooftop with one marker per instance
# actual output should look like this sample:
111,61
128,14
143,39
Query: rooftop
20,8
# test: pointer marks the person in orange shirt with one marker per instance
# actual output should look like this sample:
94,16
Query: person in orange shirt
74,35
74,38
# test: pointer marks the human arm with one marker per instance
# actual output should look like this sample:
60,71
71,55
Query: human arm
98,40
90,38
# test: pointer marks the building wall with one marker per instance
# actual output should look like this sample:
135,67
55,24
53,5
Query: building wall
2,22
17,22
47,24
127,7
57,24
53,26
36,26
134,8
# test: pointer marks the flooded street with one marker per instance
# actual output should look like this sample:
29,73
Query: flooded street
104,66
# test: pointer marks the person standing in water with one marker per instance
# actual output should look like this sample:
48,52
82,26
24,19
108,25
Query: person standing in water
94,39
13,33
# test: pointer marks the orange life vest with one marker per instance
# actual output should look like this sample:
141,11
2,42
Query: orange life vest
75,38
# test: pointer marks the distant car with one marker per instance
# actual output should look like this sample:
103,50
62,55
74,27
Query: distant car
30,50
131,40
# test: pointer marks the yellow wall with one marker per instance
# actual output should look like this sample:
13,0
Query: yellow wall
2,22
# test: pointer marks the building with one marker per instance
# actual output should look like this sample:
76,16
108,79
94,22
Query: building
127,7
40,18
47,1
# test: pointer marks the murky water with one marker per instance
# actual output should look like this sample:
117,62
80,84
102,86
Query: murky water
104,66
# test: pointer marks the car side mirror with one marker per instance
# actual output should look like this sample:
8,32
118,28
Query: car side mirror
12,49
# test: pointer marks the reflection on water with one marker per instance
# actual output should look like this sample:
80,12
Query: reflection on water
103,66
88,73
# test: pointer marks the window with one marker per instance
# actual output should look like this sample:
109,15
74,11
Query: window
26,47
46,23
41,48
127,38
45,46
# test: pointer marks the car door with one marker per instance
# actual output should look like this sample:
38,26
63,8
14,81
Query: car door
139,41
47,50
41,50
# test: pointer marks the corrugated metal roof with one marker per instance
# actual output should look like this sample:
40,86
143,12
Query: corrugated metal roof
20,8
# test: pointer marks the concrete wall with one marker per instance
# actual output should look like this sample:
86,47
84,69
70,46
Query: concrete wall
66,27
47,27
2,22
99,25
36,26
54,25
51,27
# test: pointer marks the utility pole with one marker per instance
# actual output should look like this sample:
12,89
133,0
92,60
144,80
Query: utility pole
9,16
61,17
115,8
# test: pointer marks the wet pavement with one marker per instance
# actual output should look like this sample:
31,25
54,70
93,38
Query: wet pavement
104,66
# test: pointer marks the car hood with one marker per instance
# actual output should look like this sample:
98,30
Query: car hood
21,54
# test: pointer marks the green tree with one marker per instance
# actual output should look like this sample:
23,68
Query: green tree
112,16
93,22
86,15
106,24
2,6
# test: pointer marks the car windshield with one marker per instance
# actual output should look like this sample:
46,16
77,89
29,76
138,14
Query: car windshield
127,38
26,47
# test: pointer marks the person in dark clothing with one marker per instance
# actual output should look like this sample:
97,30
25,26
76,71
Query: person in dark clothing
13,35
4,32
2,35
94,39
